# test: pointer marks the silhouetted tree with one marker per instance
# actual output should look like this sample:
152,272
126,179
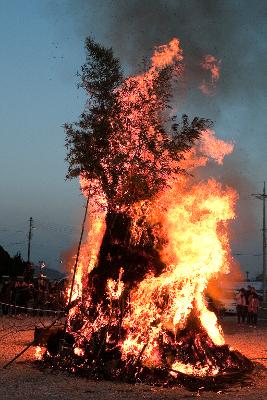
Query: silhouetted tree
125,139
12,266
5,262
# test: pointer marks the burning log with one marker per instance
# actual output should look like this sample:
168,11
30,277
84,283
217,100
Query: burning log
189,357
43,334
201,363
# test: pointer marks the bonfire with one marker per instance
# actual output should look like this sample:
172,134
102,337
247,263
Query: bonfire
137,304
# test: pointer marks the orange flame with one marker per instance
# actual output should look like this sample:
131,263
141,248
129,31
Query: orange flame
196,370
95,232
114,288
194,222
139,105
214,148
167,54
39,351
212,64
190,222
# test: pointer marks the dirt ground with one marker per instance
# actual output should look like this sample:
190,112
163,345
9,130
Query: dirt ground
23,380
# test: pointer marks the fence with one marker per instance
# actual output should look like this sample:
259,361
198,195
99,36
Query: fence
12,309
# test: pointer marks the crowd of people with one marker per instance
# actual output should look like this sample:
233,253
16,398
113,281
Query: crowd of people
18,296
247,306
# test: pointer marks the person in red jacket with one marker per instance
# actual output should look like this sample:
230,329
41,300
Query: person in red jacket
241,306
253,309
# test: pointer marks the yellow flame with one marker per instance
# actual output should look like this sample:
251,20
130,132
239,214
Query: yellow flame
189,221
115,288
39,351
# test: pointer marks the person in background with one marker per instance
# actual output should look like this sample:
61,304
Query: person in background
248,294
5,297
241,306
253,309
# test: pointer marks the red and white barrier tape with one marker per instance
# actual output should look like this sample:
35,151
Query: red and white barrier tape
32,309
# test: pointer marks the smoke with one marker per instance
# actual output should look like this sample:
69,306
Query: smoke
232,31
223,29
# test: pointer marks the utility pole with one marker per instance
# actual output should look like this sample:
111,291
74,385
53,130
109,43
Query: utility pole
30,238
263,196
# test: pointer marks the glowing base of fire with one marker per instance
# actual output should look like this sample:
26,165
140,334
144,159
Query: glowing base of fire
195,370
195,357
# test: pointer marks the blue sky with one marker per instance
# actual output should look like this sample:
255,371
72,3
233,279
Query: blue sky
41,49
38,94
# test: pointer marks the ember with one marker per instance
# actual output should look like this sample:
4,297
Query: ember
138,309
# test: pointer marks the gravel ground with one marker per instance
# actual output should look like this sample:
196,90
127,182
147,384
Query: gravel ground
22,380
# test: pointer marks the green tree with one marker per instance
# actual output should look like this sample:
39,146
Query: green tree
12,266
125,138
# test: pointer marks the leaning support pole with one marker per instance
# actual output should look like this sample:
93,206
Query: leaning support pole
77,258
29,345
69,302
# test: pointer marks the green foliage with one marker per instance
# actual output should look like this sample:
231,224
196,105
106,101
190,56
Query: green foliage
87,141
121,138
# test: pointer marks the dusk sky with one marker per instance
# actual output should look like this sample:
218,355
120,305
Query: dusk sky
42,48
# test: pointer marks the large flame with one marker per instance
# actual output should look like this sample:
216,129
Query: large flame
194,222
212,64
190,223
97,208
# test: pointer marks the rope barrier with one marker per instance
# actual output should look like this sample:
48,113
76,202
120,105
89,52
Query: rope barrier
32,309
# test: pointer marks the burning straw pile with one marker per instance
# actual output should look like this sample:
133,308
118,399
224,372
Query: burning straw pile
156,233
